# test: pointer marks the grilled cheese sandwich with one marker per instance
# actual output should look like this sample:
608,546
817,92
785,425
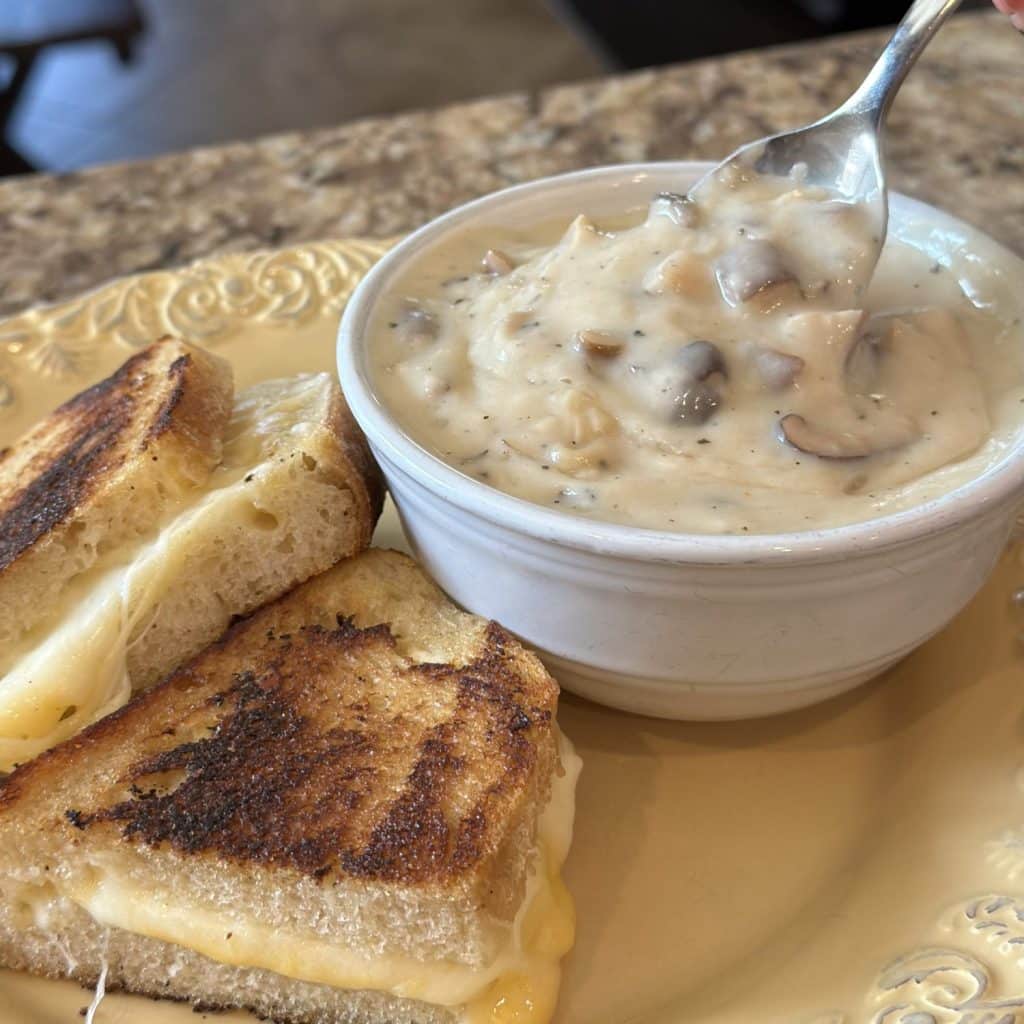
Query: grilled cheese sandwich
285,501
520,984
311,820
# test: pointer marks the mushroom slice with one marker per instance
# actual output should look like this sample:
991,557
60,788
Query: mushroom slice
678,208
683,273
749,267
685,392
517,320
701,359
416,324
597,343
828,444
695,403
776,369
497,263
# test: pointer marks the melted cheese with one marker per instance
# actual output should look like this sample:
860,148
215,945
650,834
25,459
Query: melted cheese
73,670
77,675
79,672
520,986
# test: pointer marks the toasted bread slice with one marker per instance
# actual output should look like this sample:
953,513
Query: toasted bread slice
295,491
329,815
103,469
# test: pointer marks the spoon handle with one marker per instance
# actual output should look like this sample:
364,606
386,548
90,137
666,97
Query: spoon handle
875,94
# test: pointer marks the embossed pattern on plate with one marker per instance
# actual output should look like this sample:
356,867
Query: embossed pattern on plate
862,861
50,352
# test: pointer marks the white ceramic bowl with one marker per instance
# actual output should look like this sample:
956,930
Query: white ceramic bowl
686,625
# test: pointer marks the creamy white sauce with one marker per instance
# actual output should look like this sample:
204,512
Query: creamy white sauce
717,367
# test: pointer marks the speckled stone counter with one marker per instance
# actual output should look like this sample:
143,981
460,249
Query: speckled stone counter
956,139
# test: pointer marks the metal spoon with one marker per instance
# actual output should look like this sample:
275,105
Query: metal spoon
841,151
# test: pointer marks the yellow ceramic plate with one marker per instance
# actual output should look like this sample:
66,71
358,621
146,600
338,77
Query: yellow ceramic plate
862,861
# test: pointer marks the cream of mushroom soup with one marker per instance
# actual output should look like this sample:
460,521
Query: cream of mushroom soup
713,365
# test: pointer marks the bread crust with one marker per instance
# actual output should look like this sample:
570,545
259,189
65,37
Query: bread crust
102,468
169,395
364,476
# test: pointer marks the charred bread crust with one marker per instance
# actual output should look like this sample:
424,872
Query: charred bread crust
364,477
68,460
273,748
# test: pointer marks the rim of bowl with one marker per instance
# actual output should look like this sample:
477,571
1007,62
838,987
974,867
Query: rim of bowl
994,487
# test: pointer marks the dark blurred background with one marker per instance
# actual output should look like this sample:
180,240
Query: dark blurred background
93,81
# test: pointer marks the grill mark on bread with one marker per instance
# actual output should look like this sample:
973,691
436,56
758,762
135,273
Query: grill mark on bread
413,838
286,776
83,445
68,475
164,419
415,828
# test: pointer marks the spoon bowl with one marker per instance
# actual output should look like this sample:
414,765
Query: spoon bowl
842,152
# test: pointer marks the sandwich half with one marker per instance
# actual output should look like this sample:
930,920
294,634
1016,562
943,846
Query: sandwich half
132,551
102,469
352,808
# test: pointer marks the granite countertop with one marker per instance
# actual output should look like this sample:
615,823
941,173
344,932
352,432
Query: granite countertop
956,139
